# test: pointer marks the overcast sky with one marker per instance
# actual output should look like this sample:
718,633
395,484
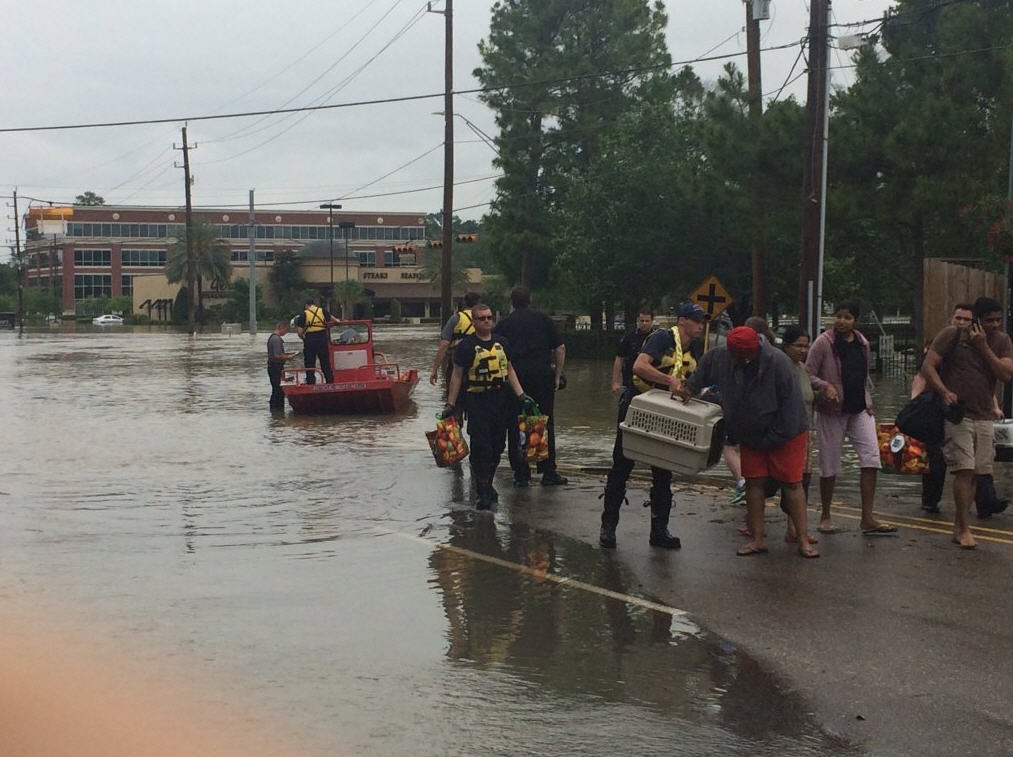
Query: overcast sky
68,62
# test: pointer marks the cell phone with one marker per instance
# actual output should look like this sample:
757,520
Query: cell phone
975,321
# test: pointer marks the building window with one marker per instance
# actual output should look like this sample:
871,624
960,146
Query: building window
92,285
143,258
367,259
92,258
127,285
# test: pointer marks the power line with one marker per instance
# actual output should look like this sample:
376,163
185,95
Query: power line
387,100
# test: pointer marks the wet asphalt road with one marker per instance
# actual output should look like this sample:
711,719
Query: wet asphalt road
902,645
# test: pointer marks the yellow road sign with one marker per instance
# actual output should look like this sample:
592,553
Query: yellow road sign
712,297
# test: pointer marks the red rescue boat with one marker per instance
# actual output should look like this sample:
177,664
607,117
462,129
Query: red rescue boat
365,381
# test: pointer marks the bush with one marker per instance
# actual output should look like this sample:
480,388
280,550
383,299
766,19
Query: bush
395,311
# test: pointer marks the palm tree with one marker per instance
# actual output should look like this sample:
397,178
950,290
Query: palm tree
212,258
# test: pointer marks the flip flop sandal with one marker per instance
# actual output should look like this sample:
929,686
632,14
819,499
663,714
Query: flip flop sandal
750,551
880,530
808,554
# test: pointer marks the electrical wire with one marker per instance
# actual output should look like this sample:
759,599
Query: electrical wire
391,173
388,100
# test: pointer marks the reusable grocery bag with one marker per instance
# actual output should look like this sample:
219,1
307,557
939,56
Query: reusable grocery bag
533,432
900,453
447,442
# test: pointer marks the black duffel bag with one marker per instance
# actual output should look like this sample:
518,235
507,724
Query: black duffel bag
922,417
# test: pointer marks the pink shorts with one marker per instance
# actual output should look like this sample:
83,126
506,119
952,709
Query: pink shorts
859,428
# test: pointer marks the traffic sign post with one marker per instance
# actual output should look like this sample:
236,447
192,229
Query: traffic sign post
713,298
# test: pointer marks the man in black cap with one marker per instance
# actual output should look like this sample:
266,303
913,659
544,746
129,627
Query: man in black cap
662,363
537,354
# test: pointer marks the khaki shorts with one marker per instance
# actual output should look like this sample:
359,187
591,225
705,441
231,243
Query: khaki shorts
968,446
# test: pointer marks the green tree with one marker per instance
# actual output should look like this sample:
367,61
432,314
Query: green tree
8,279
212,258
287,281
583,65
89,198
922,135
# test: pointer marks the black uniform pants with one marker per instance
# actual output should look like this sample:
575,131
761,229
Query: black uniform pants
622,467
315,346
932,482
487,430
274,370
539,382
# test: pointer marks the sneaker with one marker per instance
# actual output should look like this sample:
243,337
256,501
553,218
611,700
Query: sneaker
738,495
521,482
554,479
931,507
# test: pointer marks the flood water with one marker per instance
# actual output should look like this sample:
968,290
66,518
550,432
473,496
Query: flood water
327,568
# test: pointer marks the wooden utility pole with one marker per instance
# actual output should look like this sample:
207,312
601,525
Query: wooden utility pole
758,247
191,272
446,260
813,171
252,255
19,256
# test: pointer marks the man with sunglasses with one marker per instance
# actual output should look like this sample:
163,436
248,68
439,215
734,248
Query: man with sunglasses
482,371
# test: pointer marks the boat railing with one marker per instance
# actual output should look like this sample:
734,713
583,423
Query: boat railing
386,369
298,376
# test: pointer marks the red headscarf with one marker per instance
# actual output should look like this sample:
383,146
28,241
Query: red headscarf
742,340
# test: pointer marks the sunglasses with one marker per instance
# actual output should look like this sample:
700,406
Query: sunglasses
483,317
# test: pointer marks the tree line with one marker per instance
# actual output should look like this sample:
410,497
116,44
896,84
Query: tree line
625,181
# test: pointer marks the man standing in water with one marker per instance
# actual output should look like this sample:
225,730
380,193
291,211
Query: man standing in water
458,326
276,358
981,356
628,349
482,370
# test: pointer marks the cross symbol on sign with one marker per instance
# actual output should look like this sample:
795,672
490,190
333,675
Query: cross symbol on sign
712,297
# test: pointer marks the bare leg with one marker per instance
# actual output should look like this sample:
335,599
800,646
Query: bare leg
963,494
795,501
733,460
754,513
826,498
867,486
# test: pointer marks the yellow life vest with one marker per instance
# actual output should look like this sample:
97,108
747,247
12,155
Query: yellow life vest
488,368
313,318
674,361
462,328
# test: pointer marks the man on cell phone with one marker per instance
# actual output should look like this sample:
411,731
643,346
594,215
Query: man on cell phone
981,356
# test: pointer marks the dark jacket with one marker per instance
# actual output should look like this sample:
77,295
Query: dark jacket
768,412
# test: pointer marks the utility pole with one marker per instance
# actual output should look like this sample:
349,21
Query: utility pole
252,255
446,260
191,273
756,9
814,170
21,266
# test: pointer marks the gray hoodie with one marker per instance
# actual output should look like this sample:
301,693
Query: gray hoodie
763,413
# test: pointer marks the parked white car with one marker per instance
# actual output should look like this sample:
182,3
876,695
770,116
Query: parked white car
107,320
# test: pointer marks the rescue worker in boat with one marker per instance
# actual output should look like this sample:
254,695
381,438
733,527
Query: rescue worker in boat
457,327
482,372
312,326
276,358
663,362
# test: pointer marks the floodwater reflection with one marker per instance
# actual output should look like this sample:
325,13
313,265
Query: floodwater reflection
592,670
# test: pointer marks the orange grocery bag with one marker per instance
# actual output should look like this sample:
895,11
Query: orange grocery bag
533,429
447,442
900,453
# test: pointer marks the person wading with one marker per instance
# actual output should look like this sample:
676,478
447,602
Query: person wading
276,358
537,354
482,371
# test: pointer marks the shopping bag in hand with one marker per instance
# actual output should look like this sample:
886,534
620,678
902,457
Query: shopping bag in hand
447,442
533,432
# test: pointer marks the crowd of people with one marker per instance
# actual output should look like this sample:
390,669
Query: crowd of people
774,400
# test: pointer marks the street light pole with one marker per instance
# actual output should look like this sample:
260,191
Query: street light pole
330,208
346,227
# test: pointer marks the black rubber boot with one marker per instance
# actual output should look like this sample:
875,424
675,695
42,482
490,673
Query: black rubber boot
610,517
483,496
661,508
